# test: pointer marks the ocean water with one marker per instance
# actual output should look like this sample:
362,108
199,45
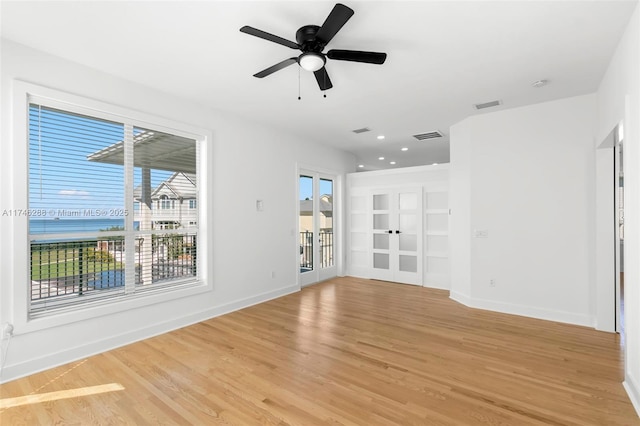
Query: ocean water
65,226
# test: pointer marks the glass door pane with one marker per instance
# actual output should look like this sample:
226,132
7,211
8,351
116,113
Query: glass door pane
408,233
326,223
381,236
306,221
316,224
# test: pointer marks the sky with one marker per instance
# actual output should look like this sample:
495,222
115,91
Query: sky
62,181
306,187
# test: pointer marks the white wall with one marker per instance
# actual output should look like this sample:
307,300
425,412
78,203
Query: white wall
248,162
529,173
430,177
460,218
619,101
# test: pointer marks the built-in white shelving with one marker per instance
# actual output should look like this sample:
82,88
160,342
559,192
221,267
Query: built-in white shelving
436,237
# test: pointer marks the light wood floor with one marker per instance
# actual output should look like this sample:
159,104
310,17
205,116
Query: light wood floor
346,351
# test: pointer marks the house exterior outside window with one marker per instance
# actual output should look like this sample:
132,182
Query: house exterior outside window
175,202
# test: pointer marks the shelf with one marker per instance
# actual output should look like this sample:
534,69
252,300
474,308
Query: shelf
436,254
436,200
432,275
441,233
360,249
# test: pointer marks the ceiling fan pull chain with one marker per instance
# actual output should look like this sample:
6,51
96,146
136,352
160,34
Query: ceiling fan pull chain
299,84
324,92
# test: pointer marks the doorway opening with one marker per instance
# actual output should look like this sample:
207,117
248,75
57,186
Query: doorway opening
619,225
316,213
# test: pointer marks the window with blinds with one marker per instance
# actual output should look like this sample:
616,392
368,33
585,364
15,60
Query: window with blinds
112,210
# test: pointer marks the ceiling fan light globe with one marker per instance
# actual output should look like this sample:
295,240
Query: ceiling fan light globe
311,61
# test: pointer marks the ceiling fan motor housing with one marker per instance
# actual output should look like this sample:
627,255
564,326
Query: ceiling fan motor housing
306,38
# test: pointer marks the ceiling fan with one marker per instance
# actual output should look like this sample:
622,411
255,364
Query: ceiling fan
311,40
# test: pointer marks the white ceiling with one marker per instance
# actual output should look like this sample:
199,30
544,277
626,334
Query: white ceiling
443,57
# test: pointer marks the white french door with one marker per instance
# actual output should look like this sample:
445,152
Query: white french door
396,235
316,215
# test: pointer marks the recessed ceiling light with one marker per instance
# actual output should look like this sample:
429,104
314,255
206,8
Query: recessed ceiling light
540,83
380,158
380,137
434,164
405,149
361,165
392,162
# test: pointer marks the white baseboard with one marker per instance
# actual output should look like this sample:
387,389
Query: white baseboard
436,285
522,310
460,298
633,390
47,361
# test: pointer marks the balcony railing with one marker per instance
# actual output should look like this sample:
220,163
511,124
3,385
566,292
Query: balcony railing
173,256
325,240
60,268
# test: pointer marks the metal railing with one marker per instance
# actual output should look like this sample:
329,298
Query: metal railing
69,267
307,250
173,256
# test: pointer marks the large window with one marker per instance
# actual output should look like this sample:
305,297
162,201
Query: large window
111,208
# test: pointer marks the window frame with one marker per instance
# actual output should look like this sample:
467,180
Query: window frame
25,93
164,203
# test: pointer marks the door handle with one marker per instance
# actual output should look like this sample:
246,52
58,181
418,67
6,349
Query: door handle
397,231
390,231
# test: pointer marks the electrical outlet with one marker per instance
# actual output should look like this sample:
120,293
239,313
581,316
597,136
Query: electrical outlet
7,331
481,233
492,282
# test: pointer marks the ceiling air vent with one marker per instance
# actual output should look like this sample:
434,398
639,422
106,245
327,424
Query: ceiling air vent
487,104
364,129
428,135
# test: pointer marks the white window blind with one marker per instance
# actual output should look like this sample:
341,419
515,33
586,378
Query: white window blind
95,232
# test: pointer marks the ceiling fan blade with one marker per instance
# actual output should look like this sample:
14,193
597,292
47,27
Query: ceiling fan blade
276,67
323,79
267,36
339,16
357,56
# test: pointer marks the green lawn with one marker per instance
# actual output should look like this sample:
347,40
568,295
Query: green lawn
47,264
65,269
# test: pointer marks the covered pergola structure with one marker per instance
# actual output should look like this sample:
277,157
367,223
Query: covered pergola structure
150,150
